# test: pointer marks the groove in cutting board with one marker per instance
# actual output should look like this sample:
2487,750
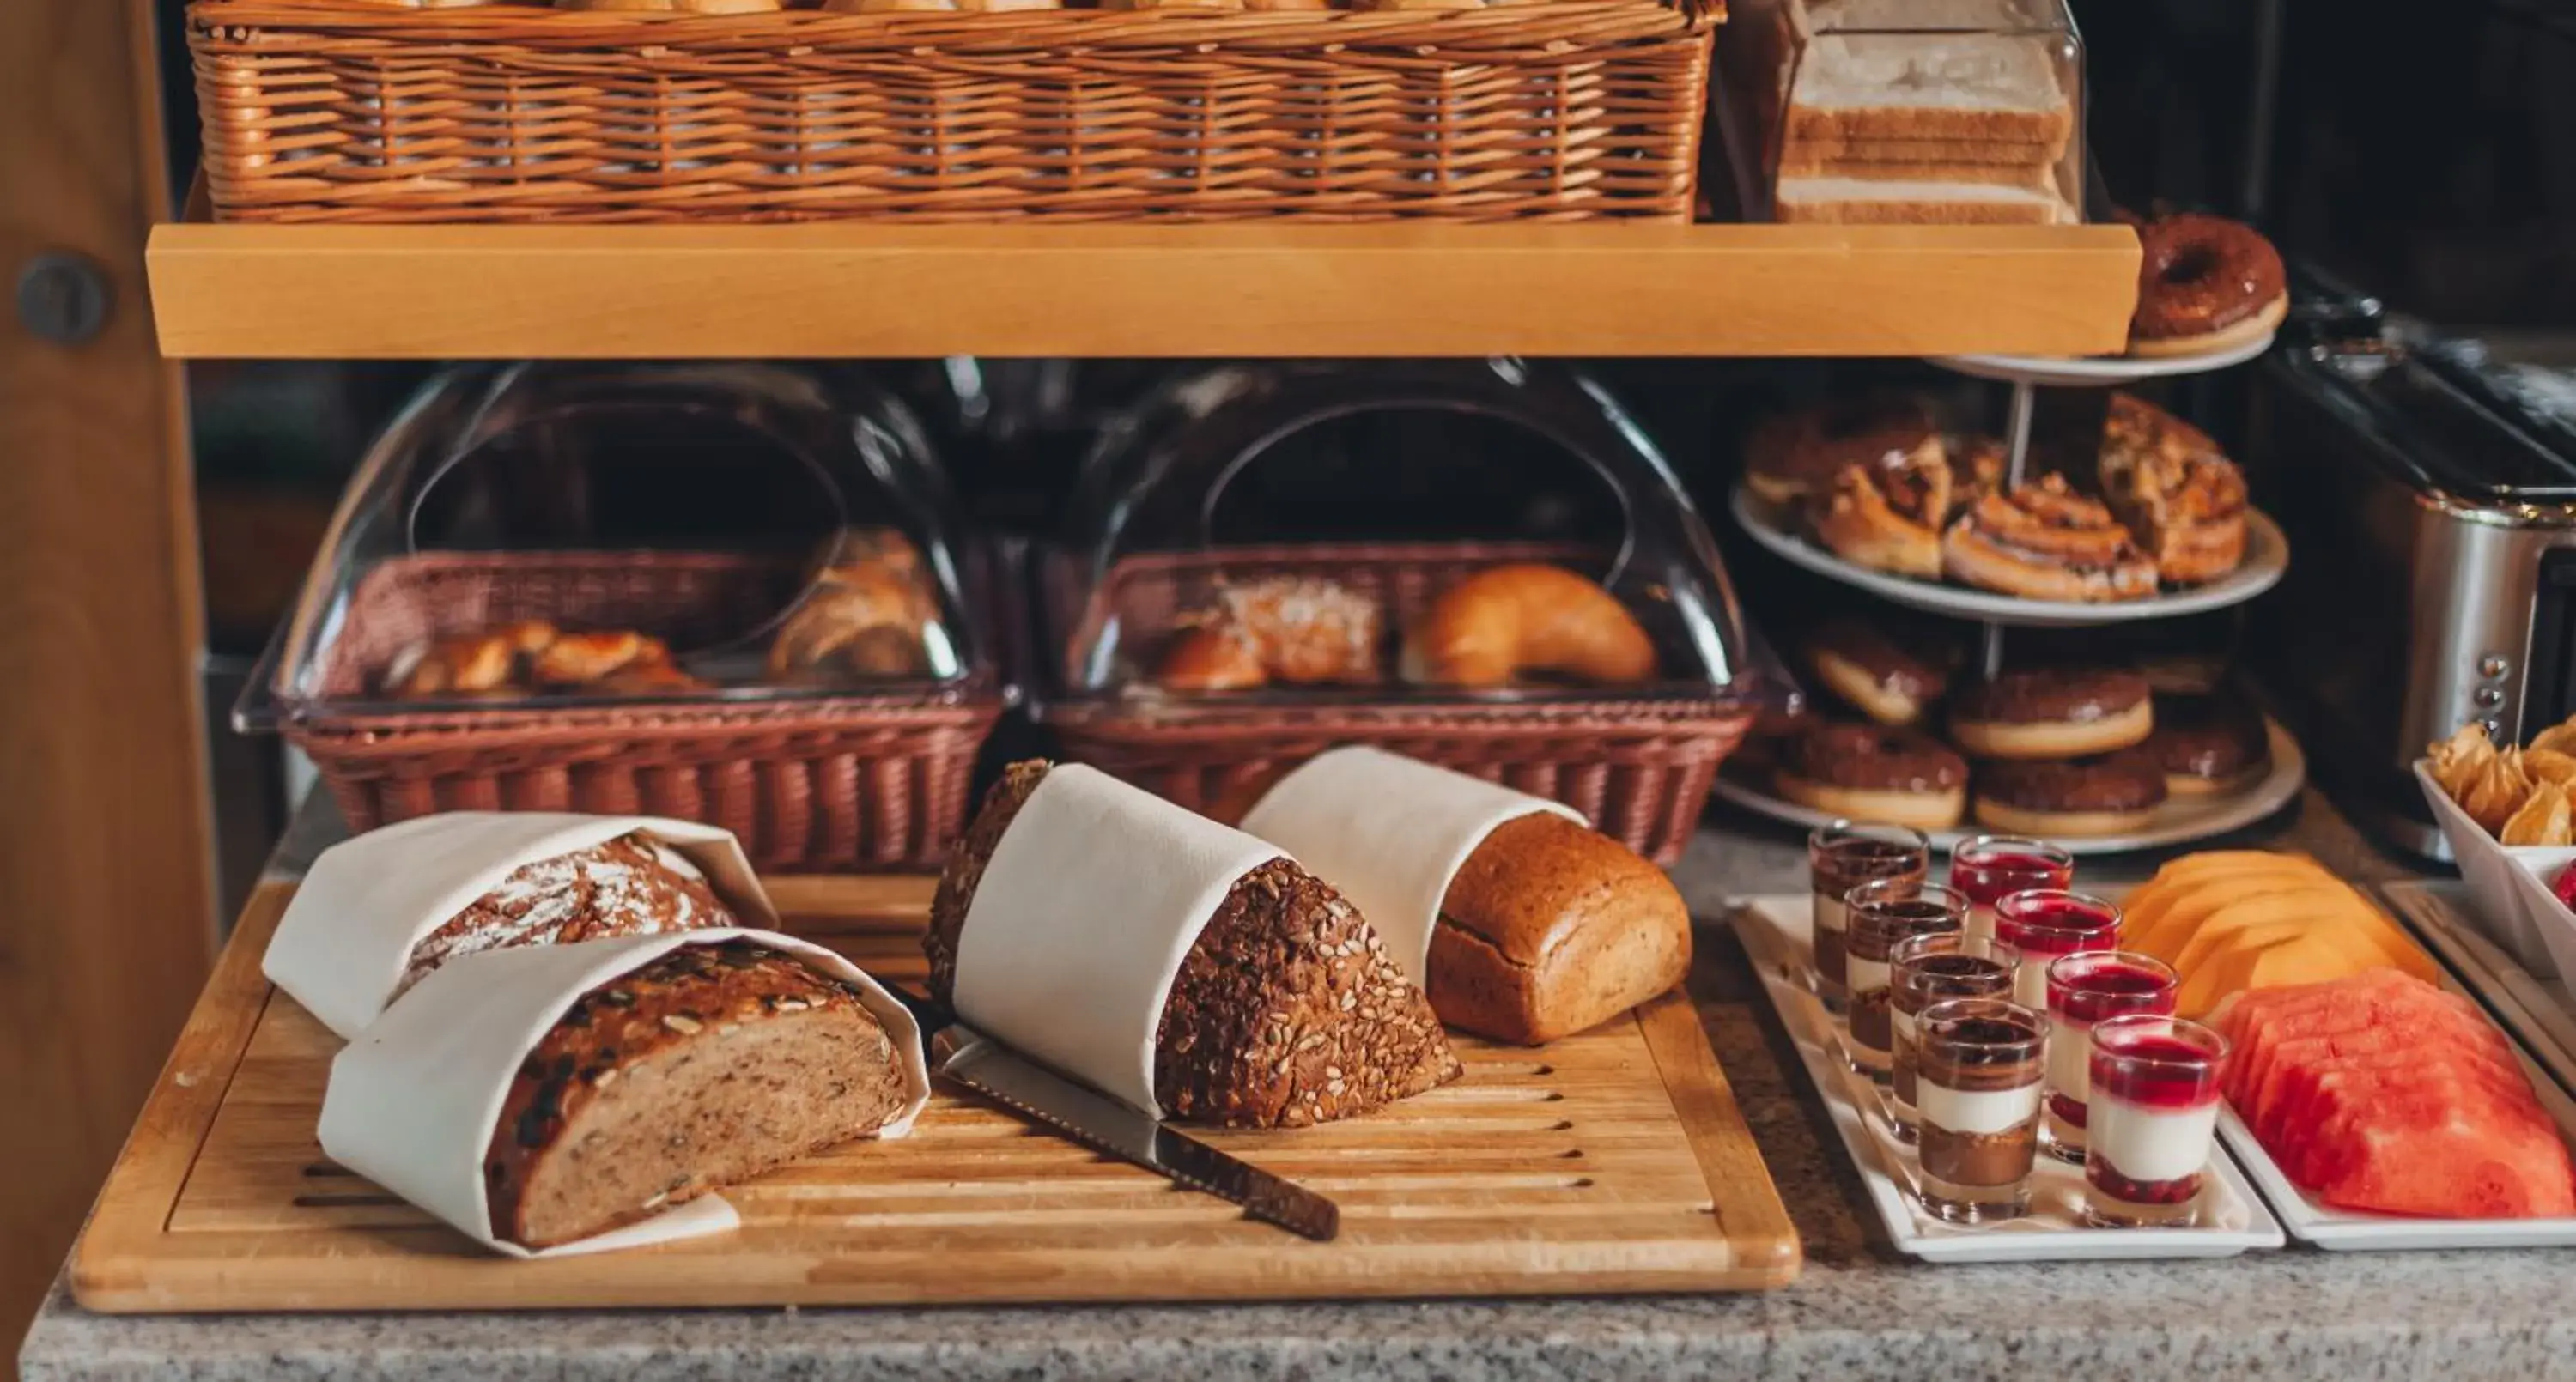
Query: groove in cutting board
1611,1161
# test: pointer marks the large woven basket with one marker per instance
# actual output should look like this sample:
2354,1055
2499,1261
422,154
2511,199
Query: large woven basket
821,783
333,110
1639,764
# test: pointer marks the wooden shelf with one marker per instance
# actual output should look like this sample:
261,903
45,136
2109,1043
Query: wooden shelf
845,290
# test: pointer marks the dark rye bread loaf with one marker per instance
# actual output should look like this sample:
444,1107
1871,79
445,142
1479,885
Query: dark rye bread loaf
1288,1011
631,886
708,1066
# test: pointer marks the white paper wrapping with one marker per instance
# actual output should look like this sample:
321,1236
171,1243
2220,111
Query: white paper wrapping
1087,908
347,936
412,1101
1390,832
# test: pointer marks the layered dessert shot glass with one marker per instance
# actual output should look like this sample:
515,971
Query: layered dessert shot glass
1877,917
1925,970
1979,1071
2153,1110
1841,857
1991,868
2044,923
2083,989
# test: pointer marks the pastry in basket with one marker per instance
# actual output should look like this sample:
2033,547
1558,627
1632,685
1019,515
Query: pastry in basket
1796,455
675,6
1889,678
1175,964
2052,712
1509,623
1887,516
2070,798
1521,922
2210,744
633,885
1874,773
533,657
867,617
2043,541
2205,284
2178,494
1301,630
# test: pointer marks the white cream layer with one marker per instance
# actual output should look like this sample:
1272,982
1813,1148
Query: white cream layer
2149,1144
1984,1111
2070,1057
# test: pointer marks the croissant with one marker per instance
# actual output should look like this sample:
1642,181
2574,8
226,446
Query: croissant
534,656
867,616
1508,620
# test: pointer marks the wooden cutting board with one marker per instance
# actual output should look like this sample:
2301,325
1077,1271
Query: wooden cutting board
1614,1161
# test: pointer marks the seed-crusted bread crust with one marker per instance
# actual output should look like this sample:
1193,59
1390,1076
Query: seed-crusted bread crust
760,1103
630,886
1288,1011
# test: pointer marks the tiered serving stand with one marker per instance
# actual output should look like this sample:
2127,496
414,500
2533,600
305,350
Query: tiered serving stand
2267,556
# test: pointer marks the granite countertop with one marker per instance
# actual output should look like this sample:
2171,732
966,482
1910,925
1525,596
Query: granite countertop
1858,1312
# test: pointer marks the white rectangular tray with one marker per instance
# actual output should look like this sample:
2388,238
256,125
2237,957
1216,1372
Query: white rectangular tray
1775,934
2483,971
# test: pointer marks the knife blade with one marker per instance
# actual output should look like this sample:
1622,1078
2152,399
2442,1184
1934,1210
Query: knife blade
1105,1125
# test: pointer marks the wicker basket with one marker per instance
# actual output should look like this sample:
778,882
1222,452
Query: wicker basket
1640,765
843,782
331,110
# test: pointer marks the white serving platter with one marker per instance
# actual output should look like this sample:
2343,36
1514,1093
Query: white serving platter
2267,556
2474,966
2180,820
2095,371
1774,930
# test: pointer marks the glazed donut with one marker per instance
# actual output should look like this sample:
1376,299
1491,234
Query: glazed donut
2208,745
1874,673
1506,620
1294,629
2048,712
2178,494
2044,541
2204,284
1866,773
1796,455
1887,517
2070,798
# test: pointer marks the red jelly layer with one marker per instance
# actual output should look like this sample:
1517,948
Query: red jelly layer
2068,1111
2111,988
2058,928
1989,878
2188,1082
2120,1187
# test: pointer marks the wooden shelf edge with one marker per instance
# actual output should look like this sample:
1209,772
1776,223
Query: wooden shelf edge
874,290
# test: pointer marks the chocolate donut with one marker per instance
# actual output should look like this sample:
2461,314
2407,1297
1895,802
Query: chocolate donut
1867,773
2208,744
2109,795
2204,283
2052,712
1889,680
1797,455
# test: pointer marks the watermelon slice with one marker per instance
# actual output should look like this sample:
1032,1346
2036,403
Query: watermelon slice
2446,1165
2292,1100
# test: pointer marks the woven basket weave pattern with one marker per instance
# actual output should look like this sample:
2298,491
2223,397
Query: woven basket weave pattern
824,784
1640,767
1573,109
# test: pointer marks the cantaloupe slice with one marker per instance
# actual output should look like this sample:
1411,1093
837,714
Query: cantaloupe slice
2299,959
2183,941
2164,922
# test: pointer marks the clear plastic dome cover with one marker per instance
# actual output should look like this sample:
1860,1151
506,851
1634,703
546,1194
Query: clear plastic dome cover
708,506
1394,480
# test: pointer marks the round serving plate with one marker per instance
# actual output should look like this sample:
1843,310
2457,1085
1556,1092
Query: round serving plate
2267,555
2179,821
2099,370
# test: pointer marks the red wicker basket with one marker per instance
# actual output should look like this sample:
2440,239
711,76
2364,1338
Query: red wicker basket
1640,764
810,783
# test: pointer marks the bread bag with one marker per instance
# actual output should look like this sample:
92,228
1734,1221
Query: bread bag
378,912
1521,922
563,1073
1180,966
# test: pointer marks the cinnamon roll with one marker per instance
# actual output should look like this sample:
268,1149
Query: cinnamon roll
2044,541
1888,515
2177,493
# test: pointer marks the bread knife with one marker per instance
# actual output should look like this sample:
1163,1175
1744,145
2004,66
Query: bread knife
1105,1125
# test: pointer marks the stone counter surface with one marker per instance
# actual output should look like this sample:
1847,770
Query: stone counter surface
1858,1312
